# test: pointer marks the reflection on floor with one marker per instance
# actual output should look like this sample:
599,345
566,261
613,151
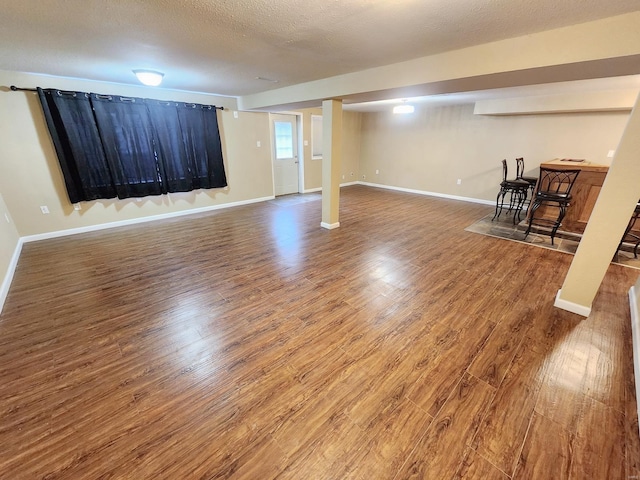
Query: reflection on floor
503,227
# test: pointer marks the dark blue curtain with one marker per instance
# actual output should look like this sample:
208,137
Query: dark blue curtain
201,137
111,146
178,168
77,142
128,141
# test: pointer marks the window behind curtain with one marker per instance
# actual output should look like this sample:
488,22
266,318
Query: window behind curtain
111,146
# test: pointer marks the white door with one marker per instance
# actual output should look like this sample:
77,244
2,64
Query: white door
285,155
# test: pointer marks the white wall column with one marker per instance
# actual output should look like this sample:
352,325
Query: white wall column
609,218
331,162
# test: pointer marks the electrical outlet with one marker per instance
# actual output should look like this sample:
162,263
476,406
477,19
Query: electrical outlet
44,209
235,114
611,153
377,171
343,177
306,143
77,206
258,143
459,182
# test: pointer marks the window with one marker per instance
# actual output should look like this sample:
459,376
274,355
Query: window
284,140
316,136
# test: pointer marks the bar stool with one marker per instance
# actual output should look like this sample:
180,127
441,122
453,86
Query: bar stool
520,175
553,190
631,237
517,190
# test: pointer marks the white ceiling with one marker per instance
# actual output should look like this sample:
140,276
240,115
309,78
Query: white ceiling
221,47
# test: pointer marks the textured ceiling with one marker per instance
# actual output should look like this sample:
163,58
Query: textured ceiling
220,47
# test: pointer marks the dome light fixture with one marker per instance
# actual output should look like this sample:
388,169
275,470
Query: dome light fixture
150,78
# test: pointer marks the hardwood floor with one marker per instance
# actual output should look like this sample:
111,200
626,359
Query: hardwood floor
251,343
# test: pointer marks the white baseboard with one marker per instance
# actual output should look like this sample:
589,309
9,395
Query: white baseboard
431,194
8,278
133,221
319,189
329,226
570,306
635,341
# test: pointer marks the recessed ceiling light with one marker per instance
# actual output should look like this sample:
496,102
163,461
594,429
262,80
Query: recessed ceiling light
149,77
404,108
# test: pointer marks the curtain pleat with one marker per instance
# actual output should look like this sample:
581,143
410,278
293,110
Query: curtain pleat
201,136
127,137
178,171
77,142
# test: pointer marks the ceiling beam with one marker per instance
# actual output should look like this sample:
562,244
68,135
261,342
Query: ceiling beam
603,48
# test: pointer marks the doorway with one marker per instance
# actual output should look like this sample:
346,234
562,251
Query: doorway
285,154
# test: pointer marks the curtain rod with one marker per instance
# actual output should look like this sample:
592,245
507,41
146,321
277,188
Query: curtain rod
13,88
18,89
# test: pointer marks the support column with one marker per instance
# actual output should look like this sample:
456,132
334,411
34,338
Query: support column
331,161
609,218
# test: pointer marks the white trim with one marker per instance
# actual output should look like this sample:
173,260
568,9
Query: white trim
635,341
329,226
570,306
431,194
8,278
319,189
132,221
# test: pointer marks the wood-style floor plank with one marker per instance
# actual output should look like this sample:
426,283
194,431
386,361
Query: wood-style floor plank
474,467
250,343
437,454
547,452
504,428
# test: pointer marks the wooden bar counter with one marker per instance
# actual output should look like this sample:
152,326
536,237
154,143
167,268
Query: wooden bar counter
585,193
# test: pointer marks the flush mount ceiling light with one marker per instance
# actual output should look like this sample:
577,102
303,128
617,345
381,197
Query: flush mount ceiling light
404,108
149,77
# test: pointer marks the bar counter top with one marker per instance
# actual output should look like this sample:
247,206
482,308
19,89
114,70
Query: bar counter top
566,164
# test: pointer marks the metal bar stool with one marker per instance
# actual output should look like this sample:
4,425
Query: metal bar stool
631,237
517,190
520,175
553,190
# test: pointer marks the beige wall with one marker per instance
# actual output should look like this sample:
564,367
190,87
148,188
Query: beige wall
312,166
30,175
351,124
351,141
8,242
432,148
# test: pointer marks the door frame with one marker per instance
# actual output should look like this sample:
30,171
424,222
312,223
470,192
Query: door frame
300,143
